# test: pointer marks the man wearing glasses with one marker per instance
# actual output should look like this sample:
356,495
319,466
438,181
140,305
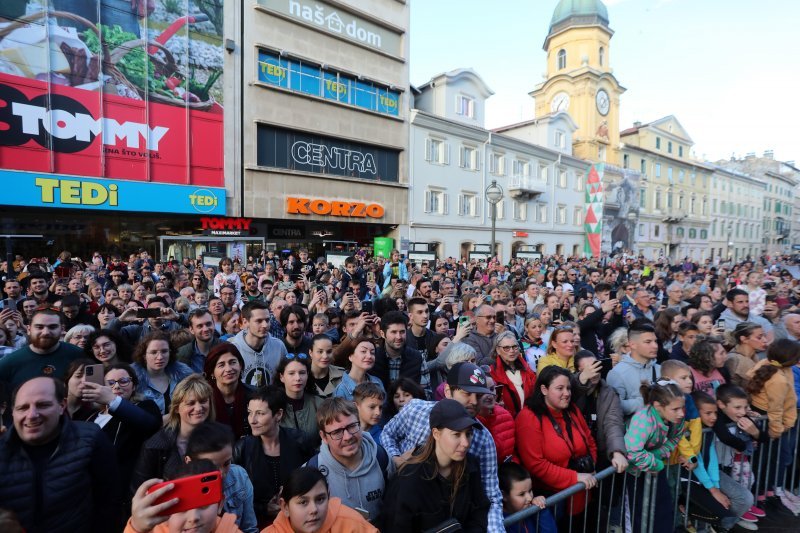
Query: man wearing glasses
482,337
357,468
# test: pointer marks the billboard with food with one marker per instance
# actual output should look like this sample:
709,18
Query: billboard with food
113,89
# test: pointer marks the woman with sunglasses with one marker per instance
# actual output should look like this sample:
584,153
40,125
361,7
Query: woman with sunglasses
512,372
301,403
126,418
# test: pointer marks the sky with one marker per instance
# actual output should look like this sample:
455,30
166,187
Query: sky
729,70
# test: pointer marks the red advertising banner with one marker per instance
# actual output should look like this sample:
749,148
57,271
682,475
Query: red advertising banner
129,91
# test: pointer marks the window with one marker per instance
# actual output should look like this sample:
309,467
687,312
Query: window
723,206
601,55
657,199
656,230
469,158
468,204
520,211
561,140
521,168
679,232
541,213
669,174
625,161
577,216
579,183
658,143
692,233
692,202
643,166
437,151
641,230
562,179
499,209
562,59
680,201
714,206
669,199
705,205
714,228
543,173
465,106
435,202
497,164
642,198
601,153
680,151
658,170
561,214
669,147
681,176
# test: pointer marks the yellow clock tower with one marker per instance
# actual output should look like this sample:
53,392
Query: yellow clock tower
580,80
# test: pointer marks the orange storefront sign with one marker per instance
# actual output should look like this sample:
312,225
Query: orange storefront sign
334,208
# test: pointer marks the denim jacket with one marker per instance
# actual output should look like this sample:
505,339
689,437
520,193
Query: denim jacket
176,372
238,493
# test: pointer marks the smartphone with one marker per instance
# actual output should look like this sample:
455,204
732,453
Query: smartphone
366,307
410,291
721,323
94,374
320,288
451,332
62,271
371,277
153,312
626,307
463,320
435,285
192,492
500,317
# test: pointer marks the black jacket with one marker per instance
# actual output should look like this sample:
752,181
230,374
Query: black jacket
74,489
416,503
248,453
130,425
410,366
159,454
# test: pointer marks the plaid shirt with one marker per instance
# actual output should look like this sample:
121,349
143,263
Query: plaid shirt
424,373
410,428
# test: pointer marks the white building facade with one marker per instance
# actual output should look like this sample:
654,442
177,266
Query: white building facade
736,217
453,159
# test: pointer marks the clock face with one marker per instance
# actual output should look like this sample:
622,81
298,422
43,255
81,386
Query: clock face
602,101
560,102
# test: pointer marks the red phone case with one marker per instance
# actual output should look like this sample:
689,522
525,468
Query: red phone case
192,492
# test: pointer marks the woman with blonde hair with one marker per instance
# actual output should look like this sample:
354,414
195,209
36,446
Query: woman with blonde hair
560,350
192,404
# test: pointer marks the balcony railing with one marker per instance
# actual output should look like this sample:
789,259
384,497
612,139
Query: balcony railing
525,187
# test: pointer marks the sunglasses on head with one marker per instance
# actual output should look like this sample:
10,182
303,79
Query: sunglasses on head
300,356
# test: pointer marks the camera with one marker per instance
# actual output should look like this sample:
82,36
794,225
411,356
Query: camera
583,464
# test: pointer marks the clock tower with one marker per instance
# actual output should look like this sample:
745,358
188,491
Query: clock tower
580,80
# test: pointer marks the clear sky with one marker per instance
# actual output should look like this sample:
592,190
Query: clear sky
729,70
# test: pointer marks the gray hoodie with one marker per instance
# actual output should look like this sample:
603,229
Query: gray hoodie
627,377
363,487
259,367
732,320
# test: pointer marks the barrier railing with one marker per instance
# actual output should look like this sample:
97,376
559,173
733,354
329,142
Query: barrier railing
628,502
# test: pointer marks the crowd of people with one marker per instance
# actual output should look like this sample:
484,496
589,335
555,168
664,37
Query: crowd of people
286,394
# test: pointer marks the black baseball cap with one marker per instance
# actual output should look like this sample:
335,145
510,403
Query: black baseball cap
451,415
468,377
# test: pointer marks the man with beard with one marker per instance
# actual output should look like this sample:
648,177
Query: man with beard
293,321
395,360
228,296
425,290
14,296
201,326
45,355
37,283
737,302
410,428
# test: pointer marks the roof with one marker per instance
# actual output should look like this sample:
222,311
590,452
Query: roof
583,9
458,73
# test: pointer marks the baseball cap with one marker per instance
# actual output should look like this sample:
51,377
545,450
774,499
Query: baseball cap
451,415
468,377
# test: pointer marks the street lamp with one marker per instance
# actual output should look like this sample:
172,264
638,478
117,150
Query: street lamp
494,193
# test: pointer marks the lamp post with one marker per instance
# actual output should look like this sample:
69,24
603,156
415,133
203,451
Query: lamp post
494,193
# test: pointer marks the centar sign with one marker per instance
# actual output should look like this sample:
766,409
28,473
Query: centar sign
308,206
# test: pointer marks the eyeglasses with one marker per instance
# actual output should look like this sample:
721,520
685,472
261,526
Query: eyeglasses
300,356
490,318
122,382
511,348
352,429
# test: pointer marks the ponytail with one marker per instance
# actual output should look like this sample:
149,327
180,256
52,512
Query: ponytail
662,391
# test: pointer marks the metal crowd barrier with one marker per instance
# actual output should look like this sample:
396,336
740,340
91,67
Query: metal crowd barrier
620,500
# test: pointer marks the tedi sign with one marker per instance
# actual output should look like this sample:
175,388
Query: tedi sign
338,22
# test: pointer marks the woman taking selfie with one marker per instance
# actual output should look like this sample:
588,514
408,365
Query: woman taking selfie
440,485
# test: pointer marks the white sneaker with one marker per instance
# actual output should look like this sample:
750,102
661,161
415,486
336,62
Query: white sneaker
750,526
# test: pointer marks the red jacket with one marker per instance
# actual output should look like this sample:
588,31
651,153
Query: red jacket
545,454
511,399
501,425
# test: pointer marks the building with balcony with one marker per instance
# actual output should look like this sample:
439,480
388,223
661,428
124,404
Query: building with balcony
454,159
782,179
674,201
